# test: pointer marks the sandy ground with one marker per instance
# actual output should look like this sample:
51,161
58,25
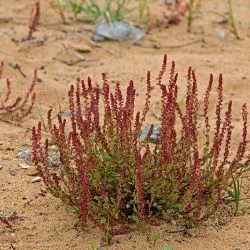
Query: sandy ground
44,223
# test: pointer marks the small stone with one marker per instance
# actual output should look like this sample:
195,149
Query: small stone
23,165
222,222
54,148
54,159
32,171
13,172
66,113
1,167
25,155
80,47
117,31
180,216
144,133
156,128
220,33
173,222
169,1
188,233
154,137
36,179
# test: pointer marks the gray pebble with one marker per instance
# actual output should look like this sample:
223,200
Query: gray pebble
169,1
54,159
23,165
24,155
117,31
67,113
154,138
13,172
220,33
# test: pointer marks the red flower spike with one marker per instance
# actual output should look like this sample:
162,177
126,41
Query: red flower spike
21,107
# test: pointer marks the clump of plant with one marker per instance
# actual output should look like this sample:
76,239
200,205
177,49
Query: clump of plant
112,178
235,194
192,11
143,9
20,107
110,10
178,9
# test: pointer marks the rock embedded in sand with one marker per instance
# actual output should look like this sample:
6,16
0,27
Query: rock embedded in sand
23,165
24,155
117,31
36,179
173,222
80,47
220,33
32,171
13,172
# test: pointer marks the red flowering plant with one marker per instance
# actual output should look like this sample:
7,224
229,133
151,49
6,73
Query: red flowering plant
21,106
113,177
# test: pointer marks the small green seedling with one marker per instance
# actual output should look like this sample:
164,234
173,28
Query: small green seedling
192,11
235,194
75,7
110,10
143,9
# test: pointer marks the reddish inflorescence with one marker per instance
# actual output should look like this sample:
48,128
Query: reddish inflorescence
21,106
34,21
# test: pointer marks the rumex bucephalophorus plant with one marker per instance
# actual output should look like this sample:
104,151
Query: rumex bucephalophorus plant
112,178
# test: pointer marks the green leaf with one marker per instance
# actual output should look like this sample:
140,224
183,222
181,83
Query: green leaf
112,200
106,157
72,210
103,220
133,218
